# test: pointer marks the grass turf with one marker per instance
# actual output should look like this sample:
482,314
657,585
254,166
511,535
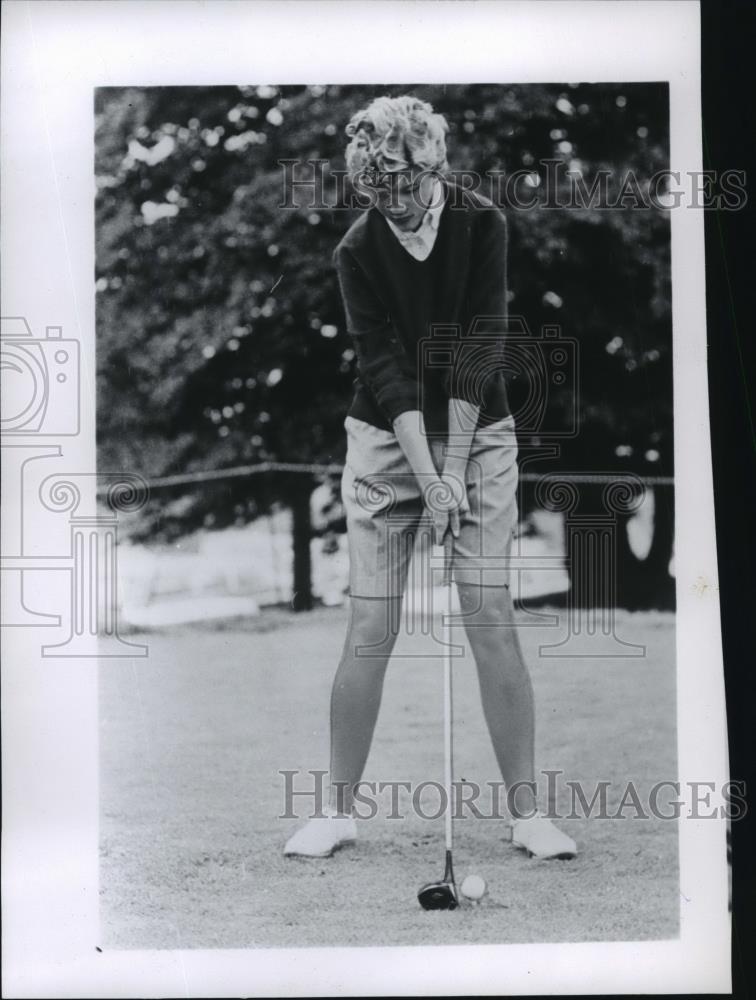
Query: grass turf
193,739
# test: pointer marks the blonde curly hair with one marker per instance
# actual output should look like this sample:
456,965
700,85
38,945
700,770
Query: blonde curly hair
395,133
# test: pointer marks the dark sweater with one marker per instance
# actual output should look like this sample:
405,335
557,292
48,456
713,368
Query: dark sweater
425,331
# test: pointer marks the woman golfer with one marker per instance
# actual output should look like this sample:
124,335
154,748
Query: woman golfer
430,438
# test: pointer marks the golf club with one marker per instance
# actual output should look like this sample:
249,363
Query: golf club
442,895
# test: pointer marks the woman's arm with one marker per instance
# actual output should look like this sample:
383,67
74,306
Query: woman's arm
383,365
437,496
479,355
463,419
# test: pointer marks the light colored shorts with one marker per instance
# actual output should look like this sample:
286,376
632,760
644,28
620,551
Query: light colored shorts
385,511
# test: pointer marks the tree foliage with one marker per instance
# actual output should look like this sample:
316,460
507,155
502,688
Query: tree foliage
221,336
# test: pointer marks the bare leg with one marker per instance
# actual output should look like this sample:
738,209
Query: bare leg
505,687
357,690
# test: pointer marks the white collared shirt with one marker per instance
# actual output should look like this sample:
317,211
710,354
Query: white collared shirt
420,242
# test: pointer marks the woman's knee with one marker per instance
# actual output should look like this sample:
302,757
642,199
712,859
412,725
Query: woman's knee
491,630
375,620
486,606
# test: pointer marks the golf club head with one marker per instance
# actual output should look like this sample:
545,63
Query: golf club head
438,896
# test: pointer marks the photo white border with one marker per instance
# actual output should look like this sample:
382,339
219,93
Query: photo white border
53,56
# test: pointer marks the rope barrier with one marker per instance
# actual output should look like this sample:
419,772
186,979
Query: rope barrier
333,469
597,478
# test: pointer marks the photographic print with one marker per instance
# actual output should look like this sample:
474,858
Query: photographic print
245,259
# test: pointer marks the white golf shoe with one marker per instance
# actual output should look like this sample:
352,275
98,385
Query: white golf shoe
541,839
321,836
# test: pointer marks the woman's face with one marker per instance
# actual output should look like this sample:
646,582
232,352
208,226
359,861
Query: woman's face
404,196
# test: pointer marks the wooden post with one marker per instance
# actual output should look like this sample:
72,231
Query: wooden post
300,491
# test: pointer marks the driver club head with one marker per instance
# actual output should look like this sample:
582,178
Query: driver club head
438,896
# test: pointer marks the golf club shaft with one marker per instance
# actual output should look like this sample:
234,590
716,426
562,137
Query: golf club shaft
448,718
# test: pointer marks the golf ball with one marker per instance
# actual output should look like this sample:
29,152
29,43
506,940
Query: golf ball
474,887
